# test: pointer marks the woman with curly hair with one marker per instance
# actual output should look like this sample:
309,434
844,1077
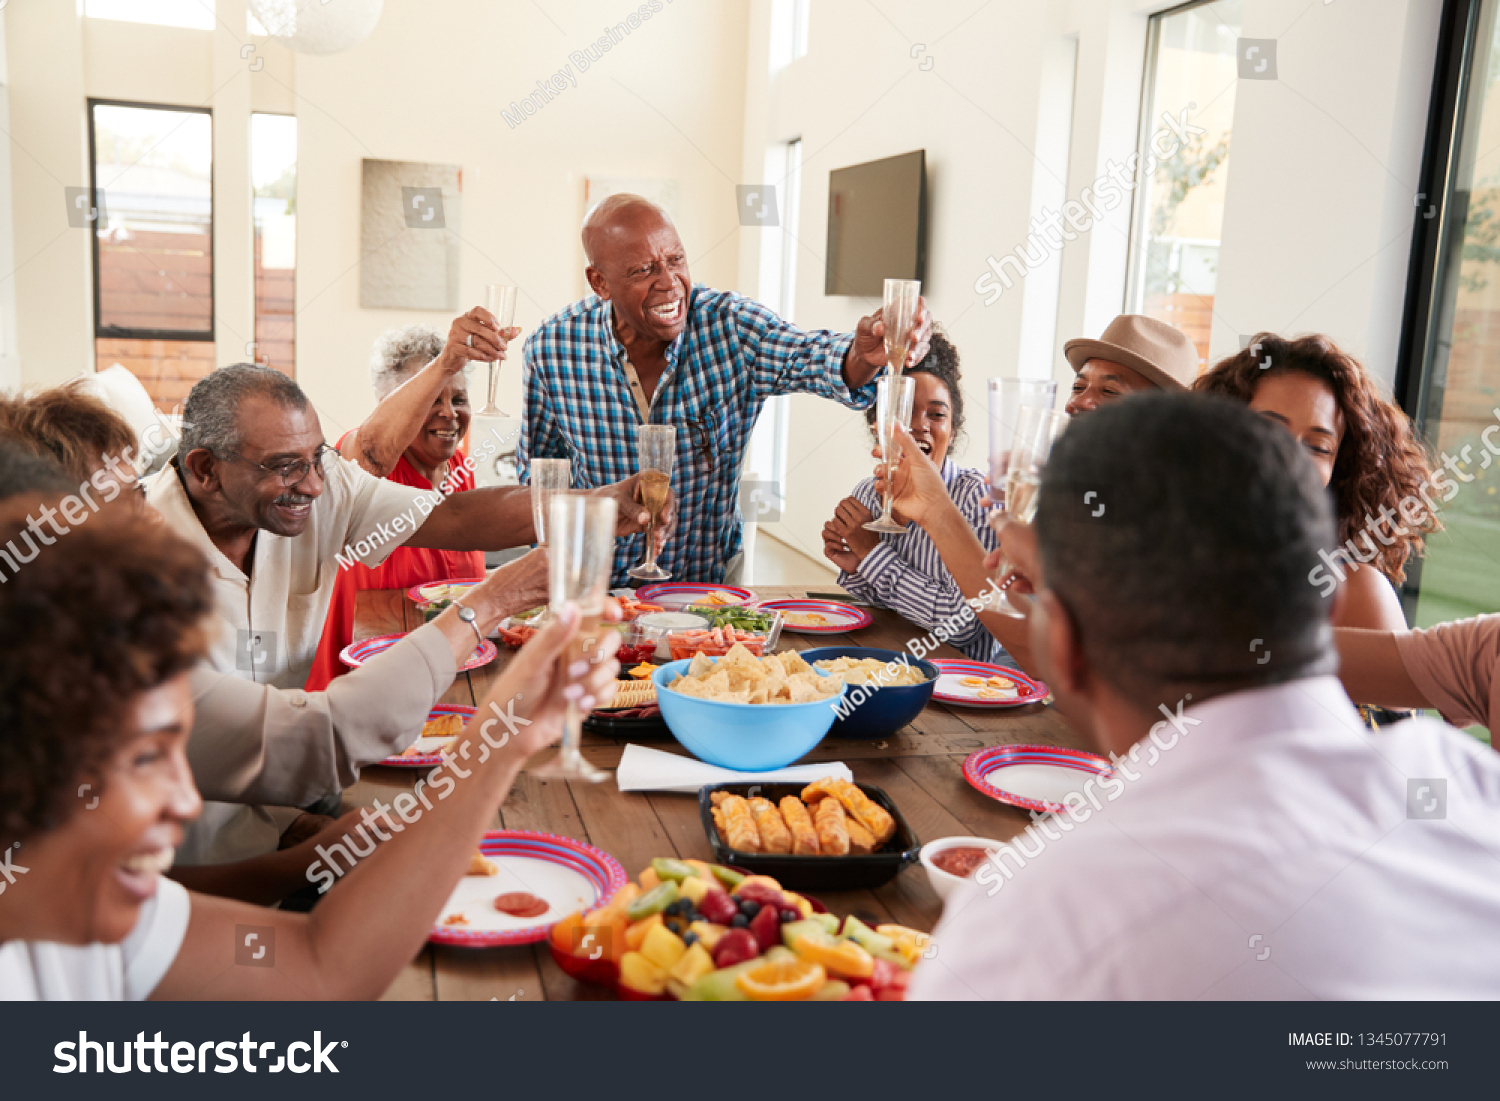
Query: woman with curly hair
95,789
905,572
1363,447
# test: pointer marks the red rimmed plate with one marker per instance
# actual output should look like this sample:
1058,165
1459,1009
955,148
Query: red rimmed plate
568,875
433,590
955,677
434,757
674,594
357,653
1033,777
802,616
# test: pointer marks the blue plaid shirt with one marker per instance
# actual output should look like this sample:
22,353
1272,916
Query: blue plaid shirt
731,356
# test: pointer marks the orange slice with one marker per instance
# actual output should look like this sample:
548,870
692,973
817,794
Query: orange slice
837,956
788,981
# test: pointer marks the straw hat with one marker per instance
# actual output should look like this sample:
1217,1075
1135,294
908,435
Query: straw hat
1163,354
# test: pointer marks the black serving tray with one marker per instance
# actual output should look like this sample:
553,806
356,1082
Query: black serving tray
825,873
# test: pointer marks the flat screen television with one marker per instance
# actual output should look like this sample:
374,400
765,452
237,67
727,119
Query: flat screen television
877,224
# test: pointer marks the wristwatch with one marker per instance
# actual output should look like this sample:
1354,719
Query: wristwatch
469,615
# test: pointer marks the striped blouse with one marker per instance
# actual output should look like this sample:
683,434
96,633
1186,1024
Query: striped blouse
906,574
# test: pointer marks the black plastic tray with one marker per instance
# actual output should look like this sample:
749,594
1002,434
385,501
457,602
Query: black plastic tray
825,873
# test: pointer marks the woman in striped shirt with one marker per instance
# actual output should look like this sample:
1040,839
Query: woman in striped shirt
905,572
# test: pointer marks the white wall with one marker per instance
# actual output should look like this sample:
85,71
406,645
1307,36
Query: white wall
430,84
1317,225
1323,174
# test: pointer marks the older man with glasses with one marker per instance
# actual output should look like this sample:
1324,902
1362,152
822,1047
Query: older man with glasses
649,347
258,490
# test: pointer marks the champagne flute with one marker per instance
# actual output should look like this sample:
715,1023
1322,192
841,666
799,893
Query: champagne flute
1036,430
657,444
893,398
899,314
549,477
1008,396
580,553
500,300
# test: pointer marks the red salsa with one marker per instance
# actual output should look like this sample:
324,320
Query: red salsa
961,860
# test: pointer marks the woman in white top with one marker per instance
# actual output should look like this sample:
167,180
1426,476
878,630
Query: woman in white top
95,712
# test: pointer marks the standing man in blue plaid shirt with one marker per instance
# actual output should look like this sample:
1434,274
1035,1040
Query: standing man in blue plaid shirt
651,348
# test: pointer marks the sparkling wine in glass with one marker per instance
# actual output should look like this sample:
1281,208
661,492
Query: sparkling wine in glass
893,399
899,314
581,553
657,449
500,300
549,477
1008,396
1036,430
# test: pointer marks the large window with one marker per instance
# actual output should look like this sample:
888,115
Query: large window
273,169
153,245
1178,212
1449,376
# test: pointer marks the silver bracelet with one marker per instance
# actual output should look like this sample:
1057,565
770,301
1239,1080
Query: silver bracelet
469,615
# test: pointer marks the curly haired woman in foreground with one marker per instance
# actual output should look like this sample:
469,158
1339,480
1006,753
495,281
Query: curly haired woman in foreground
95,712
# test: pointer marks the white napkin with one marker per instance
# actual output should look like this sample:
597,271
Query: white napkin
645,769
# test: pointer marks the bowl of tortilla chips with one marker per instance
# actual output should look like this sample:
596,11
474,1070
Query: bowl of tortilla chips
744,712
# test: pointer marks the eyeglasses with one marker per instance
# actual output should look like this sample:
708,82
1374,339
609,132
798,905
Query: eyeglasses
702,429
293,472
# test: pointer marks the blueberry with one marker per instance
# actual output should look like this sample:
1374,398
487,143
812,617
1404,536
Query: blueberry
749,907
740,921
790,915
690,939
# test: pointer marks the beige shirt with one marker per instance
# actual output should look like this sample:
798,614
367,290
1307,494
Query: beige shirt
271,621
269,625
1457,667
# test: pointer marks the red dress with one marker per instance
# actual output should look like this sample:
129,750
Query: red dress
406,566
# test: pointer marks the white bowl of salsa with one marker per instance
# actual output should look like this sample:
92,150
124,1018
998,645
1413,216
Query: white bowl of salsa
949,861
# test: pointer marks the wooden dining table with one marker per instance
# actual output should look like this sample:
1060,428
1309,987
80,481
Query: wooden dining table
920,768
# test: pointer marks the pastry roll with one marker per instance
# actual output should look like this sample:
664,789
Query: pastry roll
861,840
799,821
479,864
833,831
738,823
874,818
774,836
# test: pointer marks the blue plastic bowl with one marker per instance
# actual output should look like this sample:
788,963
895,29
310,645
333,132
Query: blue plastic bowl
747,737
883,710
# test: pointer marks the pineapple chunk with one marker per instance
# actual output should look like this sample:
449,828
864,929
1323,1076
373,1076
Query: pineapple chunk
636,934
641,975
663,947
708,933
695,888
694,964
910,943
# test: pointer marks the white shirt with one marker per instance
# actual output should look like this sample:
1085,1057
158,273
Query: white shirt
128,971
1268,853
269,623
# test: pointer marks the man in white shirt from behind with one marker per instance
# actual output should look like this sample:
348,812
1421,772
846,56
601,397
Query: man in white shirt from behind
1255,839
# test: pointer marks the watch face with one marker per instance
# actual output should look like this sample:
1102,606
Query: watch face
466,613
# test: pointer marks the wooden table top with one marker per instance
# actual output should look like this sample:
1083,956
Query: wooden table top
921,768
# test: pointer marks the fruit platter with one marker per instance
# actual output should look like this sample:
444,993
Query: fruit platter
693,931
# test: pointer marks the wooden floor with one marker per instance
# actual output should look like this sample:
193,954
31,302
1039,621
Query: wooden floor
920,768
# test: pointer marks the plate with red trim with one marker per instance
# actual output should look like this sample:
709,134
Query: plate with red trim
818,617
448,589
1033,777
563,874
675,594
357,653
426,752
966,683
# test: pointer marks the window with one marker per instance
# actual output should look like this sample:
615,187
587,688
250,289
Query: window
1448,377
788,32
153,249
273,170
197,14
1179,202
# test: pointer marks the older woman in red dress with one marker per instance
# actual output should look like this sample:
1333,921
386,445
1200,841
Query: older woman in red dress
413,437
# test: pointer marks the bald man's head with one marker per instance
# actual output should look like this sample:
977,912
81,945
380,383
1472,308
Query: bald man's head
638,264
